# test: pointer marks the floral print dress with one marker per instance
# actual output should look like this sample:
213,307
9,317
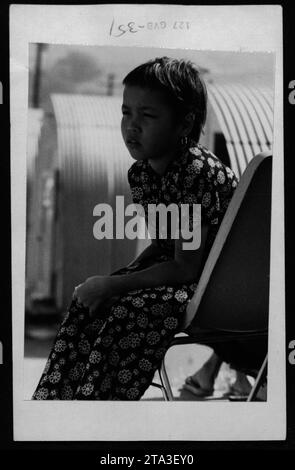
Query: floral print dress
114,355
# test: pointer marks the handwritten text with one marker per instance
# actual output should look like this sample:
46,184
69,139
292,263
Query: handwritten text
119,29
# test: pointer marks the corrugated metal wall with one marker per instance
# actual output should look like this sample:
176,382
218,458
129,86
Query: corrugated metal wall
93,163
245,115
35,122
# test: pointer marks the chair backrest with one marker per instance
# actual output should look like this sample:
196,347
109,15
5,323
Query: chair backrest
233,290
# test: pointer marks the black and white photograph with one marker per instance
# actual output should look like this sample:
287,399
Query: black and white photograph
157,116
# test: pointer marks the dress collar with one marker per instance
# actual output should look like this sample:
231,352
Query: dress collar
173,167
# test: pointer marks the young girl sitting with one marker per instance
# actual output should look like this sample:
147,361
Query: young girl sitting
117,329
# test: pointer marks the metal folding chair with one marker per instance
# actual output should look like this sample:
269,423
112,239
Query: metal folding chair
231,301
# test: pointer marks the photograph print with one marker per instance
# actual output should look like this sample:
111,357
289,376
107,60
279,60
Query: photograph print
147,195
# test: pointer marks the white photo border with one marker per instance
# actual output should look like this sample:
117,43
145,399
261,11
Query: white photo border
251,28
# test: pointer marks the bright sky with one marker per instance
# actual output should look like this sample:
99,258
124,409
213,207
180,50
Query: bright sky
119,60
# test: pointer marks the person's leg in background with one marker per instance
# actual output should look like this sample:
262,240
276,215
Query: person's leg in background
247,354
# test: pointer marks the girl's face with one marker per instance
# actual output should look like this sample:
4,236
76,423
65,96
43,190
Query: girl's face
149,126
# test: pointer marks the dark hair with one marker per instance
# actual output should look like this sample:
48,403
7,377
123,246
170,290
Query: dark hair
180,80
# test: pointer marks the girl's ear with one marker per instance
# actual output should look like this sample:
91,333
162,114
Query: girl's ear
188,123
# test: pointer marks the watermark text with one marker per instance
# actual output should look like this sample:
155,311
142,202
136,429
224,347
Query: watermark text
292,93
291,356
147,459
164,222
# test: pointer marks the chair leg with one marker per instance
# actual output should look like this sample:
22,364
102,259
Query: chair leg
258,382
163,390
166,388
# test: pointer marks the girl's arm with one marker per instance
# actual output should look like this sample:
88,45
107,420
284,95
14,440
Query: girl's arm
184,268
152,250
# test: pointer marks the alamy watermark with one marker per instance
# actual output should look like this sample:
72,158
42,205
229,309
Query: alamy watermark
291,96
164,222
291,356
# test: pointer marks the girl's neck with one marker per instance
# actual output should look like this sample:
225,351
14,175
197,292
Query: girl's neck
159,165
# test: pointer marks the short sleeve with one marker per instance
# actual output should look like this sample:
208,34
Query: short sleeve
211,184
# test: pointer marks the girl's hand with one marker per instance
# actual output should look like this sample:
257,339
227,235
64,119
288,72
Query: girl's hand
94,291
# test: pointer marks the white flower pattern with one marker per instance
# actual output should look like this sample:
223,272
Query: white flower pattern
181,295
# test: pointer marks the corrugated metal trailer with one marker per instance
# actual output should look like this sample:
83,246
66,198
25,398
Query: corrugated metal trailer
82,161
245,116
